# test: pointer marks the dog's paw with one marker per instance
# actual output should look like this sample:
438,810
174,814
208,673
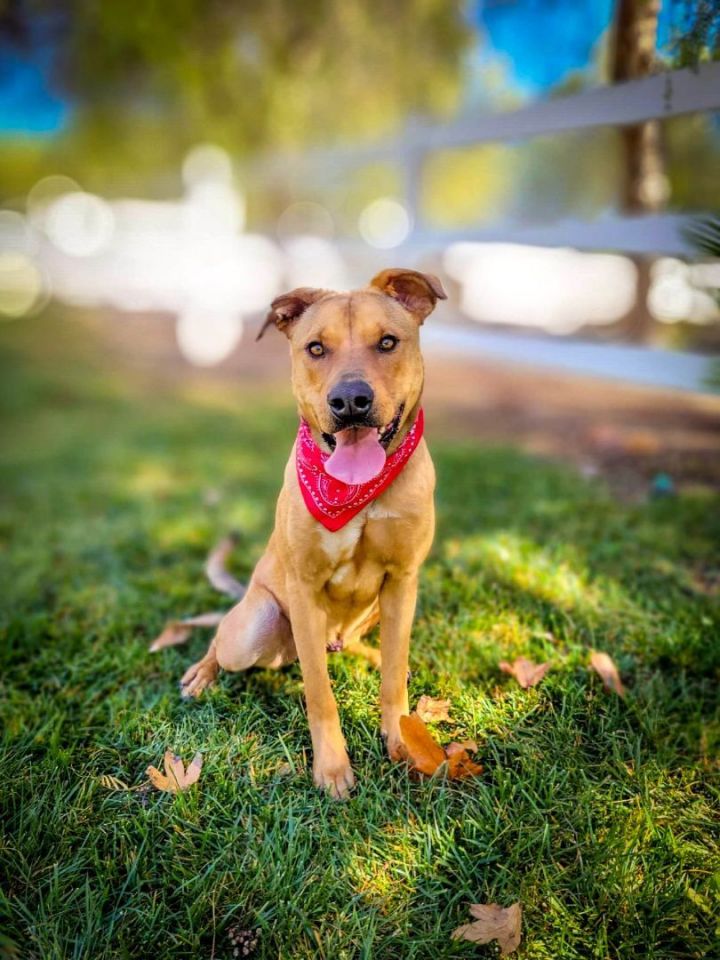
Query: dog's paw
336,778
394,744
197,678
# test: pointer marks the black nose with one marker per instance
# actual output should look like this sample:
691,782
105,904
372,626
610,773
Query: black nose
350,400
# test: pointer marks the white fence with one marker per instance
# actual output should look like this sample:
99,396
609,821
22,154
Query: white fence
661,96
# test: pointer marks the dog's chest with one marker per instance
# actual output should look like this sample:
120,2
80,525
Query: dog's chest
340,546
353,566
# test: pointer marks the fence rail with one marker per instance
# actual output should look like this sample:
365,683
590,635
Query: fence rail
661,96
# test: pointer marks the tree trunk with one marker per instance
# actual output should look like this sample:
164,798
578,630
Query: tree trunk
644,187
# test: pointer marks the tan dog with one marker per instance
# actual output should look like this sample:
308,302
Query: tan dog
357,375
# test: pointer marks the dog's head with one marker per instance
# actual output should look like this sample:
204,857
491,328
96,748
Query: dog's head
357,371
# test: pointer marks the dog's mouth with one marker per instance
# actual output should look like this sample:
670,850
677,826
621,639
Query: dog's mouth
358,451
386,434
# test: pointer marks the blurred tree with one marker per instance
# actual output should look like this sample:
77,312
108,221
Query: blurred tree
644,184
245,75
695,32
644,187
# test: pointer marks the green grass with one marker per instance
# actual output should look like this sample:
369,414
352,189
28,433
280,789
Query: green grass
599,815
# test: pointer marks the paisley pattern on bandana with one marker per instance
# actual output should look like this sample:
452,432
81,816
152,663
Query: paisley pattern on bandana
333,502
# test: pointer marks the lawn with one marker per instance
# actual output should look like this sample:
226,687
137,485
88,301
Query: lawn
599,815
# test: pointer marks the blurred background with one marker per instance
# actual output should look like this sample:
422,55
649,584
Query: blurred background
166,170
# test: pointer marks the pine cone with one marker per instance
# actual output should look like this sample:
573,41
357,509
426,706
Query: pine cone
243,942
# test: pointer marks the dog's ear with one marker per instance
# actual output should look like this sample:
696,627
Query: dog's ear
288,307
417,292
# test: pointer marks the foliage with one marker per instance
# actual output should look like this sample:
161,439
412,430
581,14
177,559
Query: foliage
704,234
245,75
696,36
596,813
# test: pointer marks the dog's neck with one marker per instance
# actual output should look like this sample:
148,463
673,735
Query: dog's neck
333,502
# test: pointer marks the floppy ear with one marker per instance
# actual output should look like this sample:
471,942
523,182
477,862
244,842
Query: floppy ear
417,292
288,307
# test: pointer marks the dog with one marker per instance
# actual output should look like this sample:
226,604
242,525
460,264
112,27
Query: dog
355,516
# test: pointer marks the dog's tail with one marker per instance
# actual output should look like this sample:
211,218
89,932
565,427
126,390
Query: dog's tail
178,631
217,572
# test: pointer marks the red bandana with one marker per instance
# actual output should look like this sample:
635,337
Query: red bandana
333,502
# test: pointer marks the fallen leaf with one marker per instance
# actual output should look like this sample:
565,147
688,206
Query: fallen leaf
493,922
425,754
112,783
604,667
178,631
432,711
527,673
176,778
461,766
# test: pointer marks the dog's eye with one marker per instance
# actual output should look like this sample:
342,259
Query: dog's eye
388,343
315,349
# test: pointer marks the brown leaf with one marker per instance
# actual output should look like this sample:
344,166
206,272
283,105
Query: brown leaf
176,778
604,667
432,711
425,755
178,631
112,783
461,766
493,922
527,673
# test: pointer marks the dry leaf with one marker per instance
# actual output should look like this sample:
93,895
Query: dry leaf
176,778
425,755
605,668
461,766
423,752
432,711
493,922
527,673
178,631
112,783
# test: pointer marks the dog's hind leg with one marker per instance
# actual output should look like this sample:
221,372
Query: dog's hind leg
255,633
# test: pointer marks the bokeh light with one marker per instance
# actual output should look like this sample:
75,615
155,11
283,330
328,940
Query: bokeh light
305,218
676,292
21,284
207,162
314,262
384,223
15,232
44,193
559,290
80,224
206,337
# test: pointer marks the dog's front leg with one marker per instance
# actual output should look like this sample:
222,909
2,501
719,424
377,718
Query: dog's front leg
331,765
397,609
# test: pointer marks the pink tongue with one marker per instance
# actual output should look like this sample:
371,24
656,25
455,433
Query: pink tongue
358,455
